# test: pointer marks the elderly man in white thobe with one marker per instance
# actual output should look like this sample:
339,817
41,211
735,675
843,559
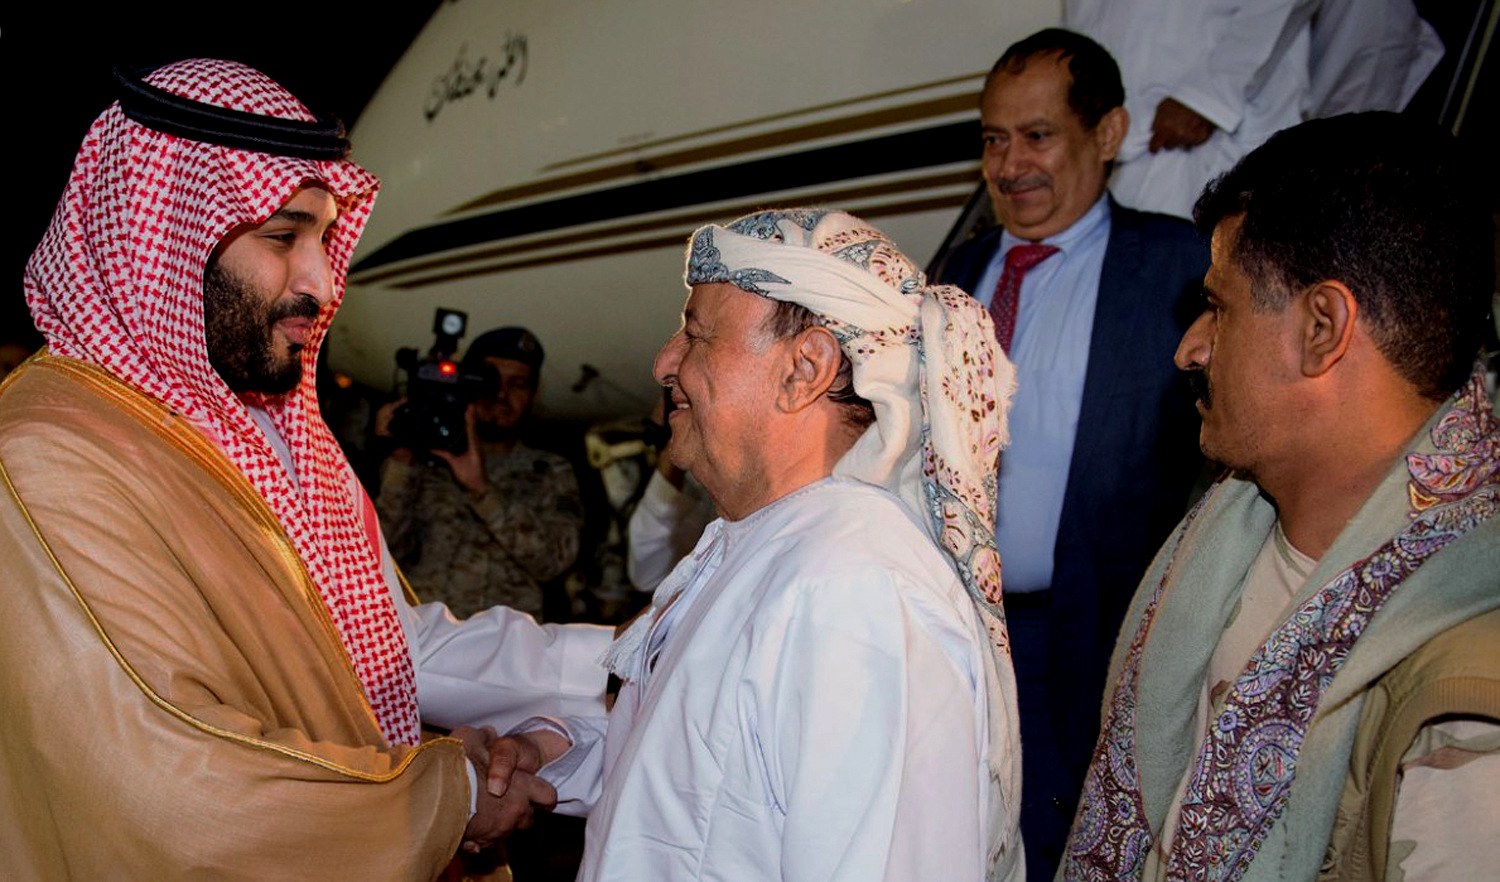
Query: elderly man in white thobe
822,689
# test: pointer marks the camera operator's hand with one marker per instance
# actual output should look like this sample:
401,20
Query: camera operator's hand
383,417
382,427
468,467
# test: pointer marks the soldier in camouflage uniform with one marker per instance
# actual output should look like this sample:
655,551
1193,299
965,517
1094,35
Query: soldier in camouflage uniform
490,525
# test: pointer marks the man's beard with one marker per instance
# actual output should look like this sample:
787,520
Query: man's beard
239,326
489,432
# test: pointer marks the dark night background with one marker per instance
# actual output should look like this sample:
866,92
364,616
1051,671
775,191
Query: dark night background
58,56
333,54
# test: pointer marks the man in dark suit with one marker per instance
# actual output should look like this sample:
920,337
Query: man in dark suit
1089,301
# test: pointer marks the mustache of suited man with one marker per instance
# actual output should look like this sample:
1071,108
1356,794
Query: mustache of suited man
1017,185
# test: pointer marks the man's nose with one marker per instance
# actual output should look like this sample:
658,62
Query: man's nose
312,274
1009,162
664,369
1014,163
997,163
1197,344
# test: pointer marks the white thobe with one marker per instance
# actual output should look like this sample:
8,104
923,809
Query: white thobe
1251,67
1240,64
813,706
1369,55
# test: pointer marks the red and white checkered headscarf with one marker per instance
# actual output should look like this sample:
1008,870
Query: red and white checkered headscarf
118,282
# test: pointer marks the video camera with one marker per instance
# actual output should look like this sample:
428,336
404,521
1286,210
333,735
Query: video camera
439,390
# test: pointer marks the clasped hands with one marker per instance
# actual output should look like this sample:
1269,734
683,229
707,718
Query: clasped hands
509,789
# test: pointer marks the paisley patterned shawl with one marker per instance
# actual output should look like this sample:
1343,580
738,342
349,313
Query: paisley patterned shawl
117,281
923,355
1241,777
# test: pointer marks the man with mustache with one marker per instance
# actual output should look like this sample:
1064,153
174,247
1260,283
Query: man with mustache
821,691
239,325
1307,684
1089,301
208,665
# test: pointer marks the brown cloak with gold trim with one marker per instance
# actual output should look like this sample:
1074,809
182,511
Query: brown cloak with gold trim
174,700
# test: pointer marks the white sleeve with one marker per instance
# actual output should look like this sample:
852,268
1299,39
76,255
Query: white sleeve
664,527
1255,37
577,775
1369,55
869,736
500,667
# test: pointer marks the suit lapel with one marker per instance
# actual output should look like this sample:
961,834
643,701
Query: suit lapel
1111,356
970,263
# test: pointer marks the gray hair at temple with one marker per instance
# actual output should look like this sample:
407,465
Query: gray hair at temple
789,319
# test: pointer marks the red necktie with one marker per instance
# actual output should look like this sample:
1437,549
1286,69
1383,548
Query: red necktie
1007,299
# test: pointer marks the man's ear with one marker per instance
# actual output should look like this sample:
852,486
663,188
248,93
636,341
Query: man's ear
1330,316
812,367
1111,132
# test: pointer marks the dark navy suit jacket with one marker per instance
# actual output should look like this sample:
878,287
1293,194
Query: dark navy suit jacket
1135,458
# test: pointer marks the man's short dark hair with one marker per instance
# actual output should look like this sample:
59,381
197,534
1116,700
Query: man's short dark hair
1096,88
1384,204
789,319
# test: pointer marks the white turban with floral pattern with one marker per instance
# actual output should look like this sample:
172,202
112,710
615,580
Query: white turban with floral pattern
923,355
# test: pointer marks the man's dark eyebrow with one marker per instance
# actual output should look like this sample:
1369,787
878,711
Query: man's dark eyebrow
1024,126
295,216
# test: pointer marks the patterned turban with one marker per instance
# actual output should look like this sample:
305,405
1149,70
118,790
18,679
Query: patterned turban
117,281
923,355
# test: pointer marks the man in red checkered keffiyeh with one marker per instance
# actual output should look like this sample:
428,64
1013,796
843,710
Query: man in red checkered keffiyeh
127,295
190,532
